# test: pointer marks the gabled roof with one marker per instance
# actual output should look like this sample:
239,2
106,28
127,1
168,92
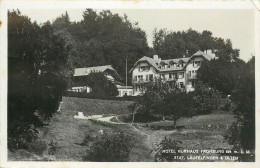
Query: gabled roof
200,53
147,59
154,63
186,60
88,70
177,60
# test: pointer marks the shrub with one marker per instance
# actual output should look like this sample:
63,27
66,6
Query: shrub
20,135
115,147
167,144
233,135
205,99
101,86
53,147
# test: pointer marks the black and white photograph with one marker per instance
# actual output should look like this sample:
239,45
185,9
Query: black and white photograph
108,84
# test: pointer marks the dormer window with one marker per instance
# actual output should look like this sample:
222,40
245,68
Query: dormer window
143,68
197,63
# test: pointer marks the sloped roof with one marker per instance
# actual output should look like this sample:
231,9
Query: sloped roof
200,53
154,63
177,60
88,70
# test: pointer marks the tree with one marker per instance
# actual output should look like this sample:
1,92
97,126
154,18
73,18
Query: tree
244,98
105,38
153,97
237,78
100,85
219,74
170,44
37,71
205,99
178,104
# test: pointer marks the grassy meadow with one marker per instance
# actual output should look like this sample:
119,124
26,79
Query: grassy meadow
65,134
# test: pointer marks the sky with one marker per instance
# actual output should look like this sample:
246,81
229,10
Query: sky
234,24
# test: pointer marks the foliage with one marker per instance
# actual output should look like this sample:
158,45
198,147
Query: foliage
21,134
167,144
104,38
233,135
236,78
159,100
53,147
100,85
205,99
38,67
170,44
244,98
115,147
220,75
152,99
178,104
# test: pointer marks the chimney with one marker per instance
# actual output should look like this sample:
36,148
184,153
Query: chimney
209,52
155,57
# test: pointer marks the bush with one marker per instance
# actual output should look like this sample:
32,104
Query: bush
115,147
233,135
20,135
100,85
205,99
53,147
167,144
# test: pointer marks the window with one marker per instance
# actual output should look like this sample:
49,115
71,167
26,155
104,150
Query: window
146,77
189,73
193,83
131,93
135,78
162,76
175,75
144,68
181,75
140,78
170,75
151,77
197,63
124,93
181,85
136,88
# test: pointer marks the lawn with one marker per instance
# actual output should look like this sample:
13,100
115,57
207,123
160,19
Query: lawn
67,133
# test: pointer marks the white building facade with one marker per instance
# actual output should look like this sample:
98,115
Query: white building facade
179,72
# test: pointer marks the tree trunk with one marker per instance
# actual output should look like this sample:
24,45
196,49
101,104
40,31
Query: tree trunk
133,117
174,123
163,117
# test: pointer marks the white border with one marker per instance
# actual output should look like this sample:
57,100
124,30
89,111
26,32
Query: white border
156,4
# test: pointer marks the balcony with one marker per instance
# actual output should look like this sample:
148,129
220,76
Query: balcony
140,81
171,79
192,77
